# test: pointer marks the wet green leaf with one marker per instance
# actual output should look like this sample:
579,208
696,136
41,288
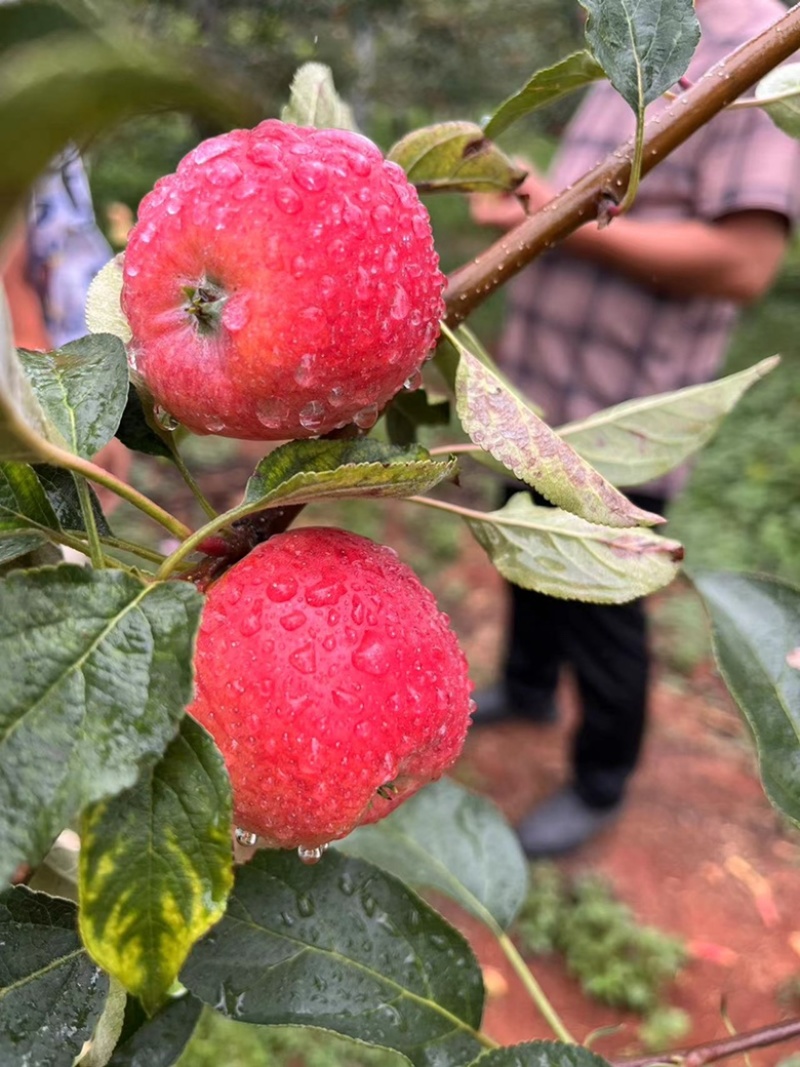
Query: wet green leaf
455,157
562,555
756,633
159,1041
643,48
156,866
51,993
343,946
59,485
102,673
23,506
302,471
449,839
541,1054
571,73
82,388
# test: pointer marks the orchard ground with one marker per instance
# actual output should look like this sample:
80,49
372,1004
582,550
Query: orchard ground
698,853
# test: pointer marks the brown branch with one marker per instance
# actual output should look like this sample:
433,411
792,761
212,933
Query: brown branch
721,85
719,1050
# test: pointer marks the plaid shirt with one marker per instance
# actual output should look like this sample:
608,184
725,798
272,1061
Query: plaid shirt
579,336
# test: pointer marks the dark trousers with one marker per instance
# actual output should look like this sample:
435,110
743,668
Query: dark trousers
606,646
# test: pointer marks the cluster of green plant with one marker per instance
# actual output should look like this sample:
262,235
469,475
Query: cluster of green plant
616,959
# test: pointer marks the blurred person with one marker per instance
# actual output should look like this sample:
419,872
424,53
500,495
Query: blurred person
47,264
644,306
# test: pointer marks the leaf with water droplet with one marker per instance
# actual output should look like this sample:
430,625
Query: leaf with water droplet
51,993
410,986
450,839
82,387
102,673
455,157
301,471
155,866
541,1054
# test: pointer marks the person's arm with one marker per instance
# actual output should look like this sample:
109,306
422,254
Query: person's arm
733,258
27,316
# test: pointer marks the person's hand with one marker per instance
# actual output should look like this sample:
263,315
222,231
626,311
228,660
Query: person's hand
507,210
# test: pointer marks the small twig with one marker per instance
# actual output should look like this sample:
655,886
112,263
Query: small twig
719,1050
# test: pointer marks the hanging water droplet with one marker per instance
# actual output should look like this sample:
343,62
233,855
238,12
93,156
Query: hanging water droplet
214,424
312,415
413,381
164,419
367,417
245,837
311,855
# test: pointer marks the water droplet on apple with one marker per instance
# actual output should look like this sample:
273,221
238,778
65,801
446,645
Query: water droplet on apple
293,621
210,149
272,412
173,205
413,381
372,656
245,837
359,164
304,372
304,659
289,202
324,593
383,217
281,590
264,153
223,173
367,417
401,304
236,313
312,415
311,176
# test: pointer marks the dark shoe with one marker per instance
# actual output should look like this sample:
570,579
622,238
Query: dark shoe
562,823
493,705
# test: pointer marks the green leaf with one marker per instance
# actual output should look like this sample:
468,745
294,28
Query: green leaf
571,73
455,157
499,419
159,1041
101,675
756,634
644,48
314,101
21,23
82,387
139,432
541,1054
49,96
449,839
782,82
641,439
564,556
301,471
408,411
23,505
346,947
51,993
104,312
59,485
156,866
23,428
